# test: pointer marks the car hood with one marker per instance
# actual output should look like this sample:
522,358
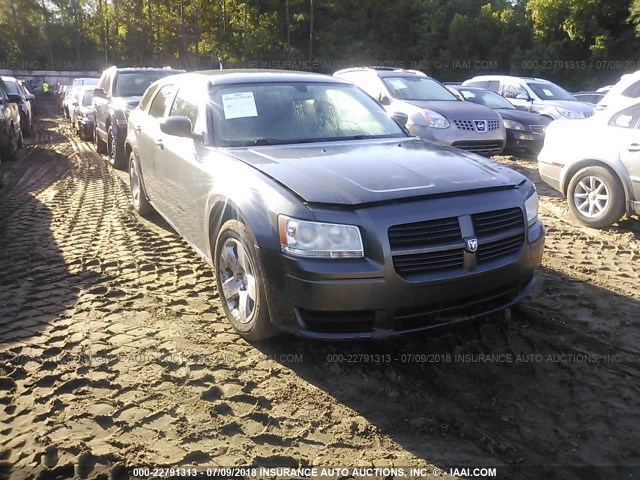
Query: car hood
523,117
360,172
573,105
456,109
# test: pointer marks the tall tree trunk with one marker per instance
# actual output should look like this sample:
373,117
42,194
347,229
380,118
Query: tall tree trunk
76,29
152,45
183,42
196,32
244,34
47,30
288,32
16,26
311,31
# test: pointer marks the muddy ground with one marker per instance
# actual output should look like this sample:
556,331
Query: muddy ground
114,351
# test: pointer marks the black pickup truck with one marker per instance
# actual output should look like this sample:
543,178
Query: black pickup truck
118,92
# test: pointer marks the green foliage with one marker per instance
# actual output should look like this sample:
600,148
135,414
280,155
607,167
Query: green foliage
563,40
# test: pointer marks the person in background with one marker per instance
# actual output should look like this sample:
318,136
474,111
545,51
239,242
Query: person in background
45,88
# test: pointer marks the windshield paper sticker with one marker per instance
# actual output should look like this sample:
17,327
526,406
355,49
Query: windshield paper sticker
547,92
239,105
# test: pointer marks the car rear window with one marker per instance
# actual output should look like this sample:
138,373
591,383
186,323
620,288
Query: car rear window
131,84
417,88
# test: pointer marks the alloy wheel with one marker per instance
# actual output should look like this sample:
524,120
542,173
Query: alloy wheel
591,197
238,281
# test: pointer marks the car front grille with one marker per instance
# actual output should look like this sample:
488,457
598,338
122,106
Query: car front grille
468,125
425,234
438,246
483,147
538,129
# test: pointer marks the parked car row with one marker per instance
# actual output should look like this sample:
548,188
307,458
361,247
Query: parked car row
11,136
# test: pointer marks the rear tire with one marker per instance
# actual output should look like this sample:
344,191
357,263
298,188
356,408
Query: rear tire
11,152
115,151
101,146
139,198
240,281
596,197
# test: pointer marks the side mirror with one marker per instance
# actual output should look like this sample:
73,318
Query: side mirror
522,96
401,118
31,96
75,104
176,126
99,92
15,98
384,100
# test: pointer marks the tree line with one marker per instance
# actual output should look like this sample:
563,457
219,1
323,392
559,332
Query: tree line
581,44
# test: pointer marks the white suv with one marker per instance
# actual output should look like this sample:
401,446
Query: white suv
534,95
623,93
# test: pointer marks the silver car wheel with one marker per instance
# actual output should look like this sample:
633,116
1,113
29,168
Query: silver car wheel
135,186
591,197
238,281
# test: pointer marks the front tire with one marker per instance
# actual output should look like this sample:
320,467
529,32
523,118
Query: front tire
115,151
101,146
240,281
139,198
596,197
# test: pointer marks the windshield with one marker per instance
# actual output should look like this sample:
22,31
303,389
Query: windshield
550,91
417,88
12,87
132,84
282,113
486,98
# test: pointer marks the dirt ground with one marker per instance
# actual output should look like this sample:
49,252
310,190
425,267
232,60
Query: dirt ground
114,351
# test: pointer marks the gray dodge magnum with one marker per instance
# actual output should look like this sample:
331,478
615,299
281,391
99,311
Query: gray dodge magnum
320,214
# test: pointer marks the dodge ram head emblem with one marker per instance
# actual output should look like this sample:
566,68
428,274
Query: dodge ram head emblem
481,125
471,245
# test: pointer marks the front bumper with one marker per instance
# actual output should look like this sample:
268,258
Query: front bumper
519,141
486,144
358,299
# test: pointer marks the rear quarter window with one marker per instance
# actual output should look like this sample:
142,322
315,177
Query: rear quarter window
632,91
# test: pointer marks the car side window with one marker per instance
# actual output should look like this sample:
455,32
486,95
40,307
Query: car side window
632,91
147,97
493,85
627,118
186,105
512,90
478,83
104,84
372,85
160,101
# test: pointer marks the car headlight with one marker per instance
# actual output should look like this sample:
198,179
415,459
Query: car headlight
434,119
513,125
531,208
302,238
568,113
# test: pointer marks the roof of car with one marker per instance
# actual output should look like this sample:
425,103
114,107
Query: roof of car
506,77
233,76
142,69
383,71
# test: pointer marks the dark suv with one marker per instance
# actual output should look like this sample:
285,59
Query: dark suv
118,92
10,131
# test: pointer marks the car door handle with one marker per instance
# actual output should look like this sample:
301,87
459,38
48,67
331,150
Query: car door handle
137,128
159,144
634,147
